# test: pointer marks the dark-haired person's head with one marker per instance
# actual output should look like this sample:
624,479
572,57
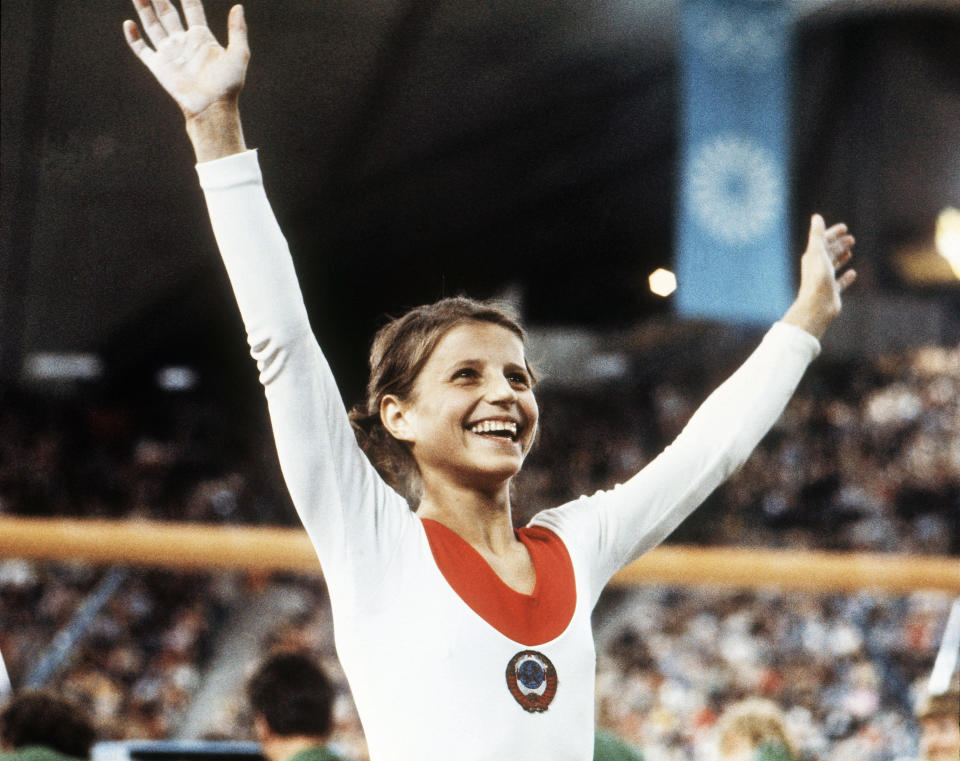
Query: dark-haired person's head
42,720
292,696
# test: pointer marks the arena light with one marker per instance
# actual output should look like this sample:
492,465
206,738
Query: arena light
662,282
177,378
607,367
63,366
947,238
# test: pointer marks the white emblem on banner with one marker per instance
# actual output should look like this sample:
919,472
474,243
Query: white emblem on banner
735,188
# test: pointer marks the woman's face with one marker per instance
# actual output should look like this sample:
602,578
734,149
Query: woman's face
472,416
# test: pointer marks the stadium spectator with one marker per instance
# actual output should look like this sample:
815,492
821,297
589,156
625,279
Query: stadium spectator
609,747
292,702
37,725
754,730
939,717
869,464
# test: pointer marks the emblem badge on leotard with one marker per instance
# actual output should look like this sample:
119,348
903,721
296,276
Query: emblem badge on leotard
532,680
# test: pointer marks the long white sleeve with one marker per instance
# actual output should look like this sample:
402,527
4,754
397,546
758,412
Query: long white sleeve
351,515
615,527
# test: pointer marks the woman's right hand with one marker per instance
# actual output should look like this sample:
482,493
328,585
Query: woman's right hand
188,62
203,77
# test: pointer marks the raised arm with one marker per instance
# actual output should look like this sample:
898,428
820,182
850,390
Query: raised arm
352,516
612,528
821,281
203,77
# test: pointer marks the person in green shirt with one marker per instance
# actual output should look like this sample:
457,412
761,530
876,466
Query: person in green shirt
39,725
608,747
292,702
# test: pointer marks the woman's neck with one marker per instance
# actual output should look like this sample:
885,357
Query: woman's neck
482,519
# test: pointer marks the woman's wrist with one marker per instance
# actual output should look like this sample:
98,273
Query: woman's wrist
814,321
216,131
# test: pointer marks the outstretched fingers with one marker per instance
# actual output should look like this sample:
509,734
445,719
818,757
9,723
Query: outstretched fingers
193,13
835,231
138,45
237,43
840,251
837,235
131,33
836,241
816,237
840,255
845,280
838,244
169,16
188,62
150,22
823,277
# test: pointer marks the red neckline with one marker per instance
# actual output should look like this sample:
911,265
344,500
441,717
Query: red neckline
530,619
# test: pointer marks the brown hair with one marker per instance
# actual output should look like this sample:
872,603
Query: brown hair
400,350
759,721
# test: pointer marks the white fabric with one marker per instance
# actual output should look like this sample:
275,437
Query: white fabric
427,673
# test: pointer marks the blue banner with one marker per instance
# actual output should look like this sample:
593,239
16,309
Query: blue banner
733,260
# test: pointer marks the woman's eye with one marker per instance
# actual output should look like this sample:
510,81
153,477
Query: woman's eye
518,379
465,372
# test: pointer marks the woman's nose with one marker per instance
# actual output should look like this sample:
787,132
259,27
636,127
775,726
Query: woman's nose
500,390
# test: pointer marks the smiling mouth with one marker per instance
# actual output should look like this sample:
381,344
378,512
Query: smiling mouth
506,430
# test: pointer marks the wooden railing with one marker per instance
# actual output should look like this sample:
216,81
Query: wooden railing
187,545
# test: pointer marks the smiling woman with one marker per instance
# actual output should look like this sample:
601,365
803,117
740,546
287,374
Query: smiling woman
401,351
460,635
471,414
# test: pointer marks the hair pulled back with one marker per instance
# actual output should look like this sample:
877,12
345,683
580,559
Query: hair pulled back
399,351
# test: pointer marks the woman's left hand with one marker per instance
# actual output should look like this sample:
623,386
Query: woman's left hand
818,300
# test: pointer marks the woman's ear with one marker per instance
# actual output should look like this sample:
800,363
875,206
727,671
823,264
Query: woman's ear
393,415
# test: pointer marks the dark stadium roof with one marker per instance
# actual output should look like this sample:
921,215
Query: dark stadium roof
421,148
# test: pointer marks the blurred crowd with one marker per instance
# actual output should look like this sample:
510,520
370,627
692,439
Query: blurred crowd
866,457
159,456
141,660
846,669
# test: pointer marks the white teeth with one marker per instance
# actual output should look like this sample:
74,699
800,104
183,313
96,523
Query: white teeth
495,426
